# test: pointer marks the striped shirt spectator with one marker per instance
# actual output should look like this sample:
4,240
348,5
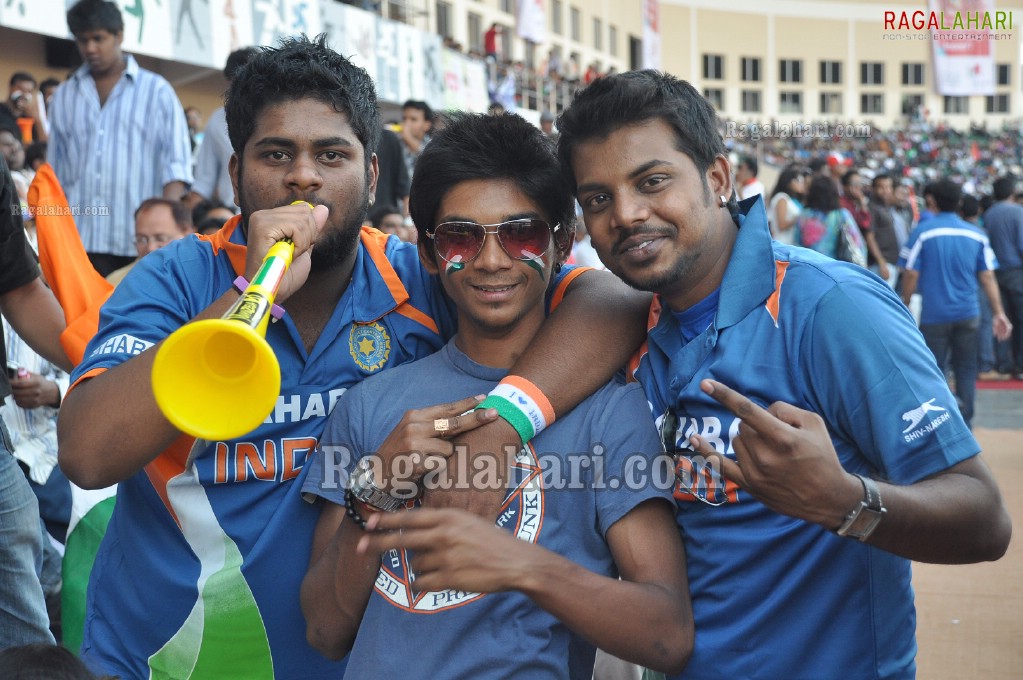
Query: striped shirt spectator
110,157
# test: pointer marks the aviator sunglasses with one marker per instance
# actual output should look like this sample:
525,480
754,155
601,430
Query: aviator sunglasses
461,242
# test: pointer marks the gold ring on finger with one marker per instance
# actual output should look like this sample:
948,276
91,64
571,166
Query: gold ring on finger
441,425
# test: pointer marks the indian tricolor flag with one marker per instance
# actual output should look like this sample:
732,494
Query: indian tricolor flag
81,292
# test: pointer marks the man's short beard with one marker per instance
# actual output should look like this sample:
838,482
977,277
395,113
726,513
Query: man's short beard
334,247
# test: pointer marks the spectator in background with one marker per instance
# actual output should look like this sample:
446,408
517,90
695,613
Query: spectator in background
552,66
119,136
212,176
46,90
824,225
746,176
416,122
34,313
209,216
787,201
492,42
193,118
158,221
391,221
947,257
393,179
905,210
882,223
22,109
35,156
969,211
1004,224
13,153
855,201
547,126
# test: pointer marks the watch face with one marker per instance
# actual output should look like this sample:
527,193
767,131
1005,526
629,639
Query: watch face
362,476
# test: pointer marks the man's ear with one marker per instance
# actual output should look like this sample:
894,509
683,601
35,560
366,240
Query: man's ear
427,256
719,178
374,174
233,168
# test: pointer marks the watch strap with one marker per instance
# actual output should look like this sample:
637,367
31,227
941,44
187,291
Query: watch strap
363,488
864,518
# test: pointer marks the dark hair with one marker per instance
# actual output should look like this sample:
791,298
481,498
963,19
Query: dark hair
34,152
377,214
969,207
785,177
946,194
823,195
420,106
986,201
506,147
635,97
42,662
848,177
300,68
21,77
751,164
200,209
1004,187
816,164
208,225
880,177
237,59
95,15
49,82
181,214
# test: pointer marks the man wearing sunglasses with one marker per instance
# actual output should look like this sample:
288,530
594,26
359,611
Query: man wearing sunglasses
819,448
442,593
214,535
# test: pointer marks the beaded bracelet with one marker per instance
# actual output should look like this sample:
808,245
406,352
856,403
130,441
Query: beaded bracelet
350,503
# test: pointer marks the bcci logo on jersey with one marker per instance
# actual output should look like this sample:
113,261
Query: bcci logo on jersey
522,515
369,345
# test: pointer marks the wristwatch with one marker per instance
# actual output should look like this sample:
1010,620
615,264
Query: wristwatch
864,518
363,487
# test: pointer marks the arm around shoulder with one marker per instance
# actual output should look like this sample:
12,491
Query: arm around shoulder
589,337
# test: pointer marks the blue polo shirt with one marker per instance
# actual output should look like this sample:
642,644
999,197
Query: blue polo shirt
776,597
199,572
1004,224
948,252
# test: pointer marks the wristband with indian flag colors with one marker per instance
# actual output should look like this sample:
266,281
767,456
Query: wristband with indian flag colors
522,404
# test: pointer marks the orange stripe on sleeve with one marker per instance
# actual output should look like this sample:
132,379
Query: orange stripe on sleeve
169,464
559,292
534,393
85,376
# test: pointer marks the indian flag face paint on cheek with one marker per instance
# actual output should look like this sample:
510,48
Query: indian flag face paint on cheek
455,265
534,261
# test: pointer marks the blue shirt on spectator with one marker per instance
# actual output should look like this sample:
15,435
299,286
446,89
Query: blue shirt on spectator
1004,224
948,252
